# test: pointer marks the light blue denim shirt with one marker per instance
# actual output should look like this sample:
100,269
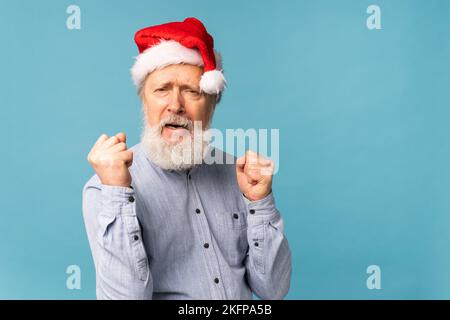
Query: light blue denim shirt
184,235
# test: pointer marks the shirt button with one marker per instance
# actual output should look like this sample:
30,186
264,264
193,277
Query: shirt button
197,210
252,211
256,244
216,280
131,198
236,216
206,245
136,238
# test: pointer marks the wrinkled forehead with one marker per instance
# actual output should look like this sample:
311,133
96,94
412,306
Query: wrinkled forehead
181,75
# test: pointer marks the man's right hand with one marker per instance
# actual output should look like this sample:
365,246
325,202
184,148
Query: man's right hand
111,159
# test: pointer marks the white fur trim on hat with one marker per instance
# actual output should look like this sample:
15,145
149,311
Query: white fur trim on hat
169,52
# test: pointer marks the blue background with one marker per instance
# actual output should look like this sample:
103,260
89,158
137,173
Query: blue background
364,133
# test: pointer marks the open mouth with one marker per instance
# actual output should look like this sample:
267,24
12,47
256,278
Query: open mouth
175,126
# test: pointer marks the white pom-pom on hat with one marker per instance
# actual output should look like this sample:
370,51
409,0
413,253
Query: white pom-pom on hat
212,82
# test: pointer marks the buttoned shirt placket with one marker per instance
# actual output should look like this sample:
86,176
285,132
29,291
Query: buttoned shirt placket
200,221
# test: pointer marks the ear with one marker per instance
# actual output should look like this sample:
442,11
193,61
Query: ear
212,99
141,87
144,110
218,97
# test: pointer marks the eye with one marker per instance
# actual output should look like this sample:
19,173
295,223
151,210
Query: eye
193,92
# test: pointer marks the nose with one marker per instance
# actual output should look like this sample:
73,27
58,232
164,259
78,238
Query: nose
176,104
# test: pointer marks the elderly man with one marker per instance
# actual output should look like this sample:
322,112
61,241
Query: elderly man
161,222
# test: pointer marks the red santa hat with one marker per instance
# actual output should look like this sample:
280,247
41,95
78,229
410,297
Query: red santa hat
178,42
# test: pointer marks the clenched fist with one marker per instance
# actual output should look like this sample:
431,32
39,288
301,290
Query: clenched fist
111,159
254,175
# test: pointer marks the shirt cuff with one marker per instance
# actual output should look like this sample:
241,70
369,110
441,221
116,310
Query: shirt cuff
117,199
264,206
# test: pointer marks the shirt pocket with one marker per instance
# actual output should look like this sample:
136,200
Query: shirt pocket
236,220
233,236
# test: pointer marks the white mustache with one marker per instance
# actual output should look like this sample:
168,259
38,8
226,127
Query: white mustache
178,120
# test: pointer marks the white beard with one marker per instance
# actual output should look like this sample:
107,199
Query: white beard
182,155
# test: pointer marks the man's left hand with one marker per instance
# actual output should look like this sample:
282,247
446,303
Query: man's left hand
254,175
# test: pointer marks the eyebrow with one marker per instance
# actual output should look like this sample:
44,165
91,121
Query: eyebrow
184,86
